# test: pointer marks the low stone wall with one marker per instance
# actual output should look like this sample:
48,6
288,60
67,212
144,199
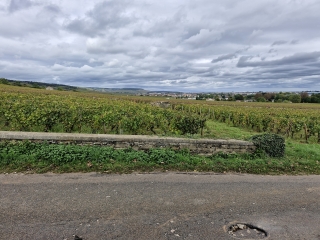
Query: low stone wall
138,142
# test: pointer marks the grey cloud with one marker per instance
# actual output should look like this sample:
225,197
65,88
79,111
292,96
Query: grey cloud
176,26
111,13
280,42
105,15
16,5
281,75
209,74
101,47
53,8
83,26
294,59
224,57
174,45
204,38
243,50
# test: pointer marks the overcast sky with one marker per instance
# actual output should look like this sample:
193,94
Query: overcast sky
186,45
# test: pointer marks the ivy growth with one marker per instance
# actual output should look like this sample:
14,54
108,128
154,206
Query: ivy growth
272,144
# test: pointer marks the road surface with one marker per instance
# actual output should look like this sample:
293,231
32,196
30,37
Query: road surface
157,206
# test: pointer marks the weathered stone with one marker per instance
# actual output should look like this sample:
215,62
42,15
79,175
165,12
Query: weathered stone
138,142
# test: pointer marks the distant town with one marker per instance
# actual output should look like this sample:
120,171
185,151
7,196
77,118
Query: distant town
289,97
293,97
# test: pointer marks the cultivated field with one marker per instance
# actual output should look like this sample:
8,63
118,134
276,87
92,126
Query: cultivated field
27,109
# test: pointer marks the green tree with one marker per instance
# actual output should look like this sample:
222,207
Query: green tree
250,96
259,95
4,81
261,99
269,96
239,97
295,98
19,84
315,98
35,85
280,96
305,98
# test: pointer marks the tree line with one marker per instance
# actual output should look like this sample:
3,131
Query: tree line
303,97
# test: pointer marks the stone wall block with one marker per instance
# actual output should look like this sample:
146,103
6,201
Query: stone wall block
137,142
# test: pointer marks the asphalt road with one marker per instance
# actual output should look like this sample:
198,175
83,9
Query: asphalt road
158,206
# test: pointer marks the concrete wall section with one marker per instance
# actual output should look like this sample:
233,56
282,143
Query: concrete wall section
138,142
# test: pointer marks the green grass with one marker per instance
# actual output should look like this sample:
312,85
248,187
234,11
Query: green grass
223,131
300,158
218,130
44,157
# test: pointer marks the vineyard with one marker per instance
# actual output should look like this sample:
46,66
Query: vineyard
35,111
49,111
302,123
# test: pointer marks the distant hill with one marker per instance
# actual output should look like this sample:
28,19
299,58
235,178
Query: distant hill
63,87
40,85
119,90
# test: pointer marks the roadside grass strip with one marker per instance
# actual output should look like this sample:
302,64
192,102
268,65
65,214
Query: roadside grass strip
29,157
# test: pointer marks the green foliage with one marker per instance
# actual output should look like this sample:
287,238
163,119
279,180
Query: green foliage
35,85
160,156
189,123
295,98
272,144
35,110
261,99
27,156
292,97
315,98
17,83
204,96
4,81
305,98
238,97
40,112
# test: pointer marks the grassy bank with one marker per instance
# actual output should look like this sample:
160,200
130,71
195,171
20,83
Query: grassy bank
43,157
300,158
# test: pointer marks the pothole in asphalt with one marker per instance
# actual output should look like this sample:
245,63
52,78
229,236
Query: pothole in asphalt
246,231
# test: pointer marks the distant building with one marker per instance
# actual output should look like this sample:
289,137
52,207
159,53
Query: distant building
49,88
